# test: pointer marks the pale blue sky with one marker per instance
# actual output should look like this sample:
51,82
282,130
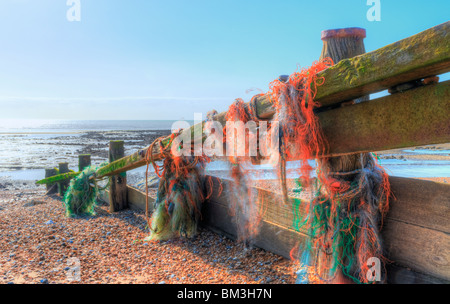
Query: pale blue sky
146,59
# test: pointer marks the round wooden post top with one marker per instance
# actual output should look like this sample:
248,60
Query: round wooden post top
344,32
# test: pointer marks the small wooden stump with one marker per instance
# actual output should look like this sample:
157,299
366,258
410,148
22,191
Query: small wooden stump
51,188
84,160
62,186
118,193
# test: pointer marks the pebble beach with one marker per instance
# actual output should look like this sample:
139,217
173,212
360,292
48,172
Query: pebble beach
38,246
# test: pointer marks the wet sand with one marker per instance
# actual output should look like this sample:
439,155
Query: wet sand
28,151
430,152
48,152
444,180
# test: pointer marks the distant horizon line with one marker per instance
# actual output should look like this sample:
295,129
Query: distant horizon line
106,99
75,119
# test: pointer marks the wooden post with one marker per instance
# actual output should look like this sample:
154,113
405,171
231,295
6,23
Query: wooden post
62,186
343,43
118,199
84,160
51,188
340,44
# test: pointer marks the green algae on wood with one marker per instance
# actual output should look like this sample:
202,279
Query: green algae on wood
57,178
422,55
126,163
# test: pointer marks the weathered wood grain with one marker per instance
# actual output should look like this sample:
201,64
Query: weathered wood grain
84,160
421,249
419,56
51,188
63,185
118,198
418,202
415,231
416,117
136,198
416,243
421,203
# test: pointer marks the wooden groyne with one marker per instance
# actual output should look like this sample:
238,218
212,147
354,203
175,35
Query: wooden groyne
417,227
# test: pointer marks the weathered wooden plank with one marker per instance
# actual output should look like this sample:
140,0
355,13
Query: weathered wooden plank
412,118
281,241
416,117
272,205
401,275
419,56
420,211
57,178
421,249
275,232
412,241
422,55
136,198
420,202
271,237
84,160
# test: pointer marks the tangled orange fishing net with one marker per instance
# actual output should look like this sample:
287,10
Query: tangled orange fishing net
294,102
300,134
245,206
343,221
180,195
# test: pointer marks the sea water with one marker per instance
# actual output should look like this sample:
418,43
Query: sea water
24,142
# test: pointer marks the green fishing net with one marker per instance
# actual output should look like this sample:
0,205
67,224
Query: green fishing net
179,200
81,196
